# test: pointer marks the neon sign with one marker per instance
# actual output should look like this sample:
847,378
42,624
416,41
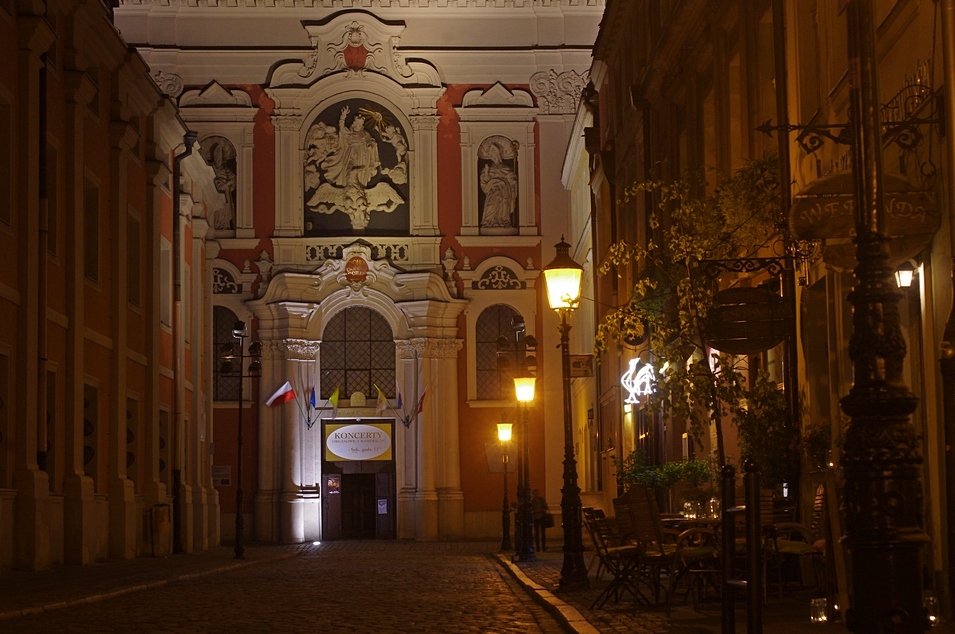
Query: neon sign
638,382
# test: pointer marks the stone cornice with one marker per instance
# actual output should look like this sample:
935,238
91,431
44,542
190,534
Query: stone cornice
449,5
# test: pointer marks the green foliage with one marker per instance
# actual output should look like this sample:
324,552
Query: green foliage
672,296
766,433
634,469
816,442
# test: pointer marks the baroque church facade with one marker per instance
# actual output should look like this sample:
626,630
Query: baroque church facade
388,189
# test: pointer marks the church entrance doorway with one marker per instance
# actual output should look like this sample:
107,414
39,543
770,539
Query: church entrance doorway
358,479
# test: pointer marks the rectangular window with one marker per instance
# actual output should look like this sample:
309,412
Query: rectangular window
132,441
48,463
133,251
52,212
90,431
186,304
6,162
91,232
165,468
165,283
6,447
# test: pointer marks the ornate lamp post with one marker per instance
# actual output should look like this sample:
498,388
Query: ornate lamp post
562,277
235,352
524,389
504,435
882,460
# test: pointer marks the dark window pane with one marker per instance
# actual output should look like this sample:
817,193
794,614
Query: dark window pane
494,322
358,353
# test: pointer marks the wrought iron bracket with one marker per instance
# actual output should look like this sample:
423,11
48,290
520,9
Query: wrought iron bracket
715,268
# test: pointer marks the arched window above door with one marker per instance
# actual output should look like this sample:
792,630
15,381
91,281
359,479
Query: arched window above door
357,354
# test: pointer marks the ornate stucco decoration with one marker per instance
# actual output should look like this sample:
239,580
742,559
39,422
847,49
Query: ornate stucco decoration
430,348
301,349
223,282
169,83
499,278
341,163
558,93
355,43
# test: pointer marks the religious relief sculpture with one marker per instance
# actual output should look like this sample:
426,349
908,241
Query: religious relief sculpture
497,176
344,168
219,152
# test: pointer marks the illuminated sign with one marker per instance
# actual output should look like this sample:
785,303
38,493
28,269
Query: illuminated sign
365,441
637,382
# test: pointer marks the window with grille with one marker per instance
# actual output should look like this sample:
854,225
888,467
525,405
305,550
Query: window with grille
226,387
358,353
494,322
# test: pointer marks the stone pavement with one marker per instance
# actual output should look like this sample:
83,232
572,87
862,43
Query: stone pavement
383,586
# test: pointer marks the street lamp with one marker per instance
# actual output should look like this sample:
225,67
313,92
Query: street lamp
524,390
562,278
233,352
504,435
881,456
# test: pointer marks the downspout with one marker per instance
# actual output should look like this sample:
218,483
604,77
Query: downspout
788,276
188,139
947,356
42,441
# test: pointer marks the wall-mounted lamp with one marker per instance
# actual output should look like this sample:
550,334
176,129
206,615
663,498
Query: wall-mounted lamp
905,274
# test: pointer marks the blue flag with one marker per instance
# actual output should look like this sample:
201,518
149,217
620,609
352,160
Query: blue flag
312,398
399,401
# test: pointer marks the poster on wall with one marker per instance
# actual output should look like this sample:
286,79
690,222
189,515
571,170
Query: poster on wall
358,441
221,475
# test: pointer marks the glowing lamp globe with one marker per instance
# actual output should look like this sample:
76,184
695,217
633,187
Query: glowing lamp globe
504,431
524,387
562,278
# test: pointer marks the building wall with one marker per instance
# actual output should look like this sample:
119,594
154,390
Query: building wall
86,179
684,86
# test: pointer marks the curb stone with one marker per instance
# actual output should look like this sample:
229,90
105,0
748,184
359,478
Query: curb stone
96,598
567,615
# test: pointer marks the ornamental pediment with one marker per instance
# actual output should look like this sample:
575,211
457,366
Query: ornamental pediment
354,43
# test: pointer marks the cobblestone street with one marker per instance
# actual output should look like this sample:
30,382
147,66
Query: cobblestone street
335,587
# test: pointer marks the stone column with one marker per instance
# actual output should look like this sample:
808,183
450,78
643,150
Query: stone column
288,170
79,523
265,500
121,490
32,516
300,358
424,187
406,443
448,473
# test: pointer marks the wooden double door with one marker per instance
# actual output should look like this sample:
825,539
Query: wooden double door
358,505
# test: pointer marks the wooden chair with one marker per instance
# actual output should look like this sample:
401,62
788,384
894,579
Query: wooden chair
618,560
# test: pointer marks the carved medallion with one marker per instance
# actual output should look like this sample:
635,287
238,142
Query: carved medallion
356,270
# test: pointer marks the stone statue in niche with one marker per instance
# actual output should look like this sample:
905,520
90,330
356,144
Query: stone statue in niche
219,153
497,165
343,169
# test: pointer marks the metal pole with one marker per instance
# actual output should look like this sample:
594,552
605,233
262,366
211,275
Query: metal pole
239,521
519,546
573,573
881,459
506,510
754,550
728,549
524,505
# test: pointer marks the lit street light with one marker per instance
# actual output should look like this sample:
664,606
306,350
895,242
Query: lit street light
562,278
504,435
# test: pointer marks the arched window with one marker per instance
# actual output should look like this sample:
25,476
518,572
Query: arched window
358,353
494,322
226,388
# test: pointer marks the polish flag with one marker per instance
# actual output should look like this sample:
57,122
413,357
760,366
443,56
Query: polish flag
283,395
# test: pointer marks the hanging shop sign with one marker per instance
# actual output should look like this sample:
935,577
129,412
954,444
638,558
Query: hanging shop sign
362,441
748,320
581,365
638,381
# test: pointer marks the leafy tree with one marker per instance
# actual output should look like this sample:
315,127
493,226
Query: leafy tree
672,295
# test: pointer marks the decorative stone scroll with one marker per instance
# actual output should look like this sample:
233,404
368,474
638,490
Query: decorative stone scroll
301,349
558,93
499,278
223,283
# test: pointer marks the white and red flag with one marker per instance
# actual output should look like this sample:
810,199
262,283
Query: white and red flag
282,395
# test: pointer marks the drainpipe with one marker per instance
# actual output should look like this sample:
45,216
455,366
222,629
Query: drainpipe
188,139
41,436
947,360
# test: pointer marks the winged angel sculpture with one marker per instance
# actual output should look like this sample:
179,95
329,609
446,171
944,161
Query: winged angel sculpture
340,164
